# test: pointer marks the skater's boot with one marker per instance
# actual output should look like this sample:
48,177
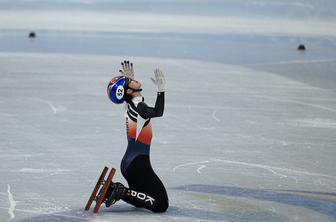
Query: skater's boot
115,192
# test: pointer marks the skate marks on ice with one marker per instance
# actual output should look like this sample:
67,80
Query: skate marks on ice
272,169
247,104
69,216
21,206
183,208
312,203
214,116
33,207
123,211
47,172
213,207
54,108
312,123
12,203
200,168
178,211
201,202
298,103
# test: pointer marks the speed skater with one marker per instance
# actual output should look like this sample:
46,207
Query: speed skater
145,188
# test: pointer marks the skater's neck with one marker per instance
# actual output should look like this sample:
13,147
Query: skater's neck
137,99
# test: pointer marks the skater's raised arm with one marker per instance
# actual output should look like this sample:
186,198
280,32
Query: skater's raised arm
149,112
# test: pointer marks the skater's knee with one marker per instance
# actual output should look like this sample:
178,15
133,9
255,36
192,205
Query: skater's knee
161,207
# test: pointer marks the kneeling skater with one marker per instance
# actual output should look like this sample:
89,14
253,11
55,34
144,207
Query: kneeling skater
145,188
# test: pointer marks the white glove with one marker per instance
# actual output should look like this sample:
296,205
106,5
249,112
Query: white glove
159,80
127,69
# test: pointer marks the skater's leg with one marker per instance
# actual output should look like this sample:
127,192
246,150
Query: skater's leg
148,190
118,191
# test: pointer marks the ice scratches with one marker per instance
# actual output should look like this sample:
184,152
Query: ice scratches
316,122
39,171
199,168
214,116
12,203
52,107
274,170
98,220
276,173
189,164
31,170
299,103
55,214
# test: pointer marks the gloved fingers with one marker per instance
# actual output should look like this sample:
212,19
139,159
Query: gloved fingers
156,71
159,80
153,80
131,67
125,65
127,69
159,75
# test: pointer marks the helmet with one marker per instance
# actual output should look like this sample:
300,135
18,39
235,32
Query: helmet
116,89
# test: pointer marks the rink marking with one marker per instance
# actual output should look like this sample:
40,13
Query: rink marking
12,203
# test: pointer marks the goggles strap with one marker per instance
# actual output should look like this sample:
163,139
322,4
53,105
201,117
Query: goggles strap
128,80
135,90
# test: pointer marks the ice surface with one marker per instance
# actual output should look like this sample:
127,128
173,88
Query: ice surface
248,133
233,145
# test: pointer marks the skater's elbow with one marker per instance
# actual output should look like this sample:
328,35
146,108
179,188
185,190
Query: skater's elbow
160,113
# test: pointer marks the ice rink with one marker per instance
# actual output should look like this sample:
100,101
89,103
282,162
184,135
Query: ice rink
249,129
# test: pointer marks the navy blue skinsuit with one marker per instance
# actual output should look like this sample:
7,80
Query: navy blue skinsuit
146,188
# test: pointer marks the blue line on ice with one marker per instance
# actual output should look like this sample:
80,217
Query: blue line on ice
327,207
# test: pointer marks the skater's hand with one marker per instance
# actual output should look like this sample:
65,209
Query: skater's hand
127,69
159,80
